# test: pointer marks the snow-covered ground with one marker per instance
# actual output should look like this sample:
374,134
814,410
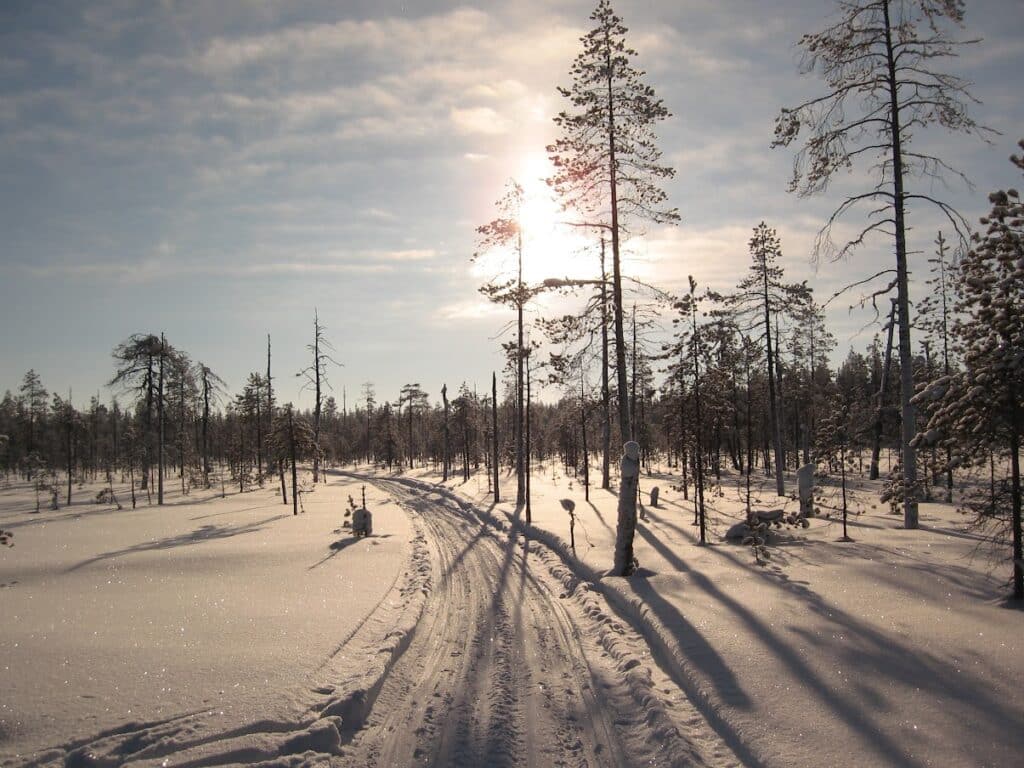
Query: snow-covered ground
898,648
217,631
227,608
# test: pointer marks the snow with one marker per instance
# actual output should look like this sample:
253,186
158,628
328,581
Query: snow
224,607
212,631
895,649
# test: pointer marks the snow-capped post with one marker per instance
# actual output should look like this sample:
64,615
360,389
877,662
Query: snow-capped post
655,492
629,479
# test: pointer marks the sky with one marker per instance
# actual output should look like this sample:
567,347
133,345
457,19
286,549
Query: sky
220,171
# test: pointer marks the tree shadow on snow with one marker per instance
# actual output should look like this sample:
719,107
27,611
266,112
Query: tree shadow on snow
867,651
344,543
199,535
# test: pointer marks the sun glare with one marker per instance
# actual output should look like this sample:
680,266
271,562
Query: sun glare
551,246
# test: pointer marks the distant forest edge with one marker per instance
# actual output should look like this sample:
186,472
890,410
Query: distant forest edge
745,382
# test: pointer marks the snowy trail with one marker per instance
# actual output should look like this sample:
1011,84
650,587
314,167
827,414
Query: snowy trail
489,648
508,666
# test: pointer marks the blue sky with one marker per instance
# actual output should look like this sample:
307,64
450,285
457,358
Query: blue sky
216,171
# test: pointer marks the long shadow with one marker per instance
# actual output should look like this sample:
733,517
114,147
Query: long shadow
518,528
700,653
600,517
233,512
954,533
831,698
887,656
199,535
341,544
59,516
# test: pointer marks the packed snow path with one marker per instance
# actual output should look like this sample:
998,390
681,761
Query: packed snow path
512,664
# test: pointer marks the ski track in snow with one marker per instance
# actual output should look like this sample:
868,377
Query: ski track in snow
518,661
492,650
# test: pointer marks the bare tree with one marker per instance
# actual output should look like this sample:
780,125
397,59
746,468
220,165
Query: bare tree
878,62
316,377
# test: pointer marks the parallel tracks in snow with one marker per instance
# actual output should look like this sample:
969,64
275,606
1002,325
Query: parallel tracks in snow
509,667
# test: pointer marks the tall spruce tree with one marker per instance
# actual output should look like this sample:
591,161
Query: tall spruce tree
980,410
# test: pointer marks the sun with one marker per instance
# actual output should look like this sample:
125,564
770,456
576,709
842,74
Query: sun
552,247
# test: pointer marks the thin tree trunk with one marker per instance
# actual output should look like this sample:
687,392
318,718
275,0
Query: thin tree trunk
447,438
529,514
520,412
316,410
583,432
70,440
908,426
160,417
698,428
606,395
494,433
270,412
1018,552
773,412
876,445
291,451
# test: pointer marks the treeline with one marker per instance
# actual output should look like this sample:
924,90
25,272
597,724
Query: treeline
173,419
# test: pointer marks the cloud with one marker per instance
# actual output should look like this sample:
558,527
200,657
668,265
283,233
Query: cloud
483,120
472,309
381,38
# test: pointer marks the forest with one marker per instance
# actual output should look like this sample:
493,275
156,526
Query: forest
707,382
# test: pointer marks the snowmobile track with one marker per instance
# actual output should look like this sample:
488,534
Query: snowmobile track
515,661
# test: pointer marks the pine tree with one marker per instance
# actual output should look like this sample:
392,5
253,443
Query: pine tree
935,315
759,299
33,397
506,233
691,351
608,169
607,162
416,401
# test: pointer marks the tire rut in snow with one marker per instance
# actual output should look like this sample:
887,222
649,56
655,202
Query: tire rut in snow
585,687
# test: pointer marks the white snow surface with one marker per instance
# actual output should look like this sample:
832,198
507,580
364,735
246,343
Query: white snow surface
223,610
896,649
226,631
